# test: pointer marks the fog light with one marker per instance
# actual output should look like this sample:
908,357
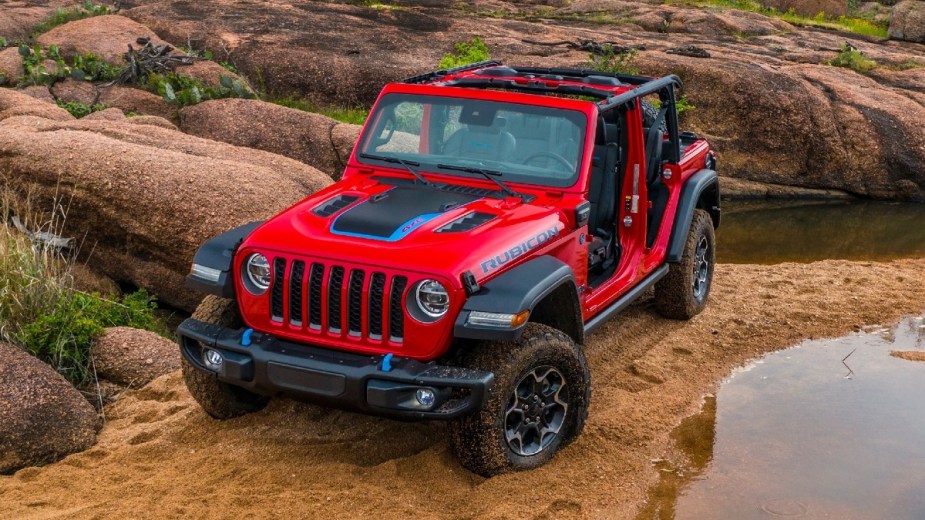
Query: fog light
425,396
212,359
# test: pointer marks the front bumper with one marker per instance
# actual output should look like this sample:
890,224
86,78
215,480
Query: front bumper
369,384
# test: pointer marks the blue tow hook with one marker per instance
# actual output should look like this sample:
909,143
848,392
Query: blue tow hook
387,363
246,337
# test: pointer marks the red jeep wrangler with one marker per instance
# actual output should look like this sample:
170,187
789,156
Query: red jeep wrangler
489,219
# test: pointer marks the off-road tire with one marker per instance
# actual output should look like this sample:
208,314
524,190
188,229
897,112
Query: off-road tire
218,399
676,295
479,440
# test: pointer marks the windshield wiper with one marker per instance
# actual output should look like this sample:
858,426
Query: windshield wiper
488,174
396,160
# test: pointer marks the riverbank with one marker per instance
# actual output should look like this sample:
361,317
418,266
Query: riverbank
160,455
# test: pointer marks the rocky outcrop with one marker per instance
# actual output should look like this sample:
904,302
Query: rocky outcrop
17,19
303,136
42,417
908,21
764,82
14,103
145,197
109,36
134,357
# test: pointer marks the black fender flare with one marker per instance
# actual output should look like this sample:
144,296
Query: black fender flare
700,191
218,254
519,289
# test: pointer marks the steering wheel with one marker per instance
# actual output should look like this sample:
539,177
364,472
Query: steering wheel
558,158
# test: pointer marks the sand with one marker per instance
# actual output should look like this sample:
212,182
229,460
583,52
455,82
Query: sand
160,455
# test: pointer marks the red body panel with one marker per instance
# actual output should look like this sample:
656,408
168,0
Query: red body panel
297,234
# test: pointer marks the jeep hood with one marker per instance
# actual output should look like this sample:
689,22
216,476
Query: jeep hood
444,229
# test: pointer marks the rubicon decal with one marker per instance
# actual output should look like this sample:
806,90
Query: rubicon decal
519,250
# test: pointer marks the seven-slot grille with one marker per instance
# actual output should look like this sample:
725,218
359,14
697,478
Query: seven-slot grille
337,299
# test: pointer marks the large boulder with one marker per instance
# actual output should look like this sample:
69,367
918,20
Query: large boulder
14,103
136,101
17,19
10,66
109,36
908,21
134,357
813,126
303,136
144,198
42,417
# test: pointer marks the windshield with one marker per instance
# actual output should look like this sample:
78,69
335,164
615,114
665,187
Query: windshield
524,143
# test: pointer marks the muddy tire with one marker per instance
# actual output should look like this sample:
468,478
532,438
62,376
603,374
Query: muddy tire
542,384
218,399
683,292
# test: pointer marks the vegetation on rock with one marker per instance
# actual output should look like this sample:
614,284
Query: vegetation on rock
850,57
78,12
78,109
613,60
40,308
472,51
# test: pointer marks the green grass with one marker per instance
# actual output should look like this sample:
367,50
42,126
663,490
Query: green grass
853,59
352,115
78,109
836,23
40,308
472,51
64,15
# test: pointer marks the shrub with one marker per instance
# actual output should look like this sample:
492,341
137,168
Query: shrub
850,57
184,90
612,61
78,109
42,311
472,51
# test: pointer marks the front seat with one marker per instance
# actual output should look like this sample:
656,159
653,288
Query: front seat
482,142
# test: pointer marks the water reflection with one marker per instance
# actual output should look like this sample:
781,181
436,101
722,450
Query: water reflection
796,435
774,232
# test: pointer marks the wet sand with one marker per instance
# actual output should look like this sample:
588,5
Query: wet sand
160,455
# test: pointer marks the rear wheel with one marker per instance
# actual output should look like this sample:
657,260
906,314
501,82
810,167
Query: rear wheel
682,293
538,403
218,399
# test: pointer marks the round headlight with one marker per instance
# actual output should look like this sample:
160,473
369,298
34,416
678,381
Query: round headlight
432,298
257,272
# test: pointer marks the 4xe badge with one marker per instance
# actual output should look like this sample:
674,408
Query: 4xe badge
520,249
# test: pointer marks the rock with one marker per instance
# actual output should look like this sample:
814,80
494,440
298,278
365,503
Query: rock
855,134
732,188
109,36
908,21
303,136
136,101
109,114
134,357
71,90
691,51
38,92
42,417
10,66
152,120
87,280
145,197
17,19
15,103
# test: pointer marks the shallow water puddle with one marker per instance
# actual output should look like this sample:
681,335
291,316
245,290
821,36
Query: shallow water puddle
827,429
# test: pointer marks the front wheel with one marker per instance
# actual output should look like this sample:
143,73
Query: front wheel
538,403
682,293
218,399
